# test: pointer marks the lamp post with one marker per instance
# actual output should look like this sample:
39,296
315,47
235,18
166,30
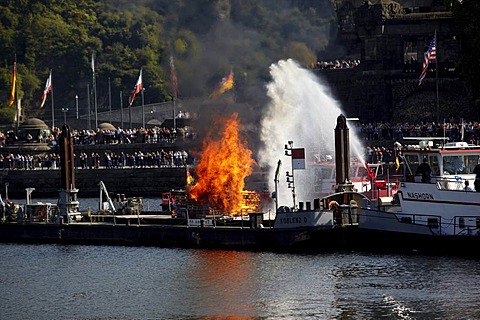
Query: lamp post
64,110
76,105
290,177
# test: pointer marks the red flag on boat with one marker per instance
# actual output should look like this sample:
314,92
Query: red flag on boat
298,158
371,174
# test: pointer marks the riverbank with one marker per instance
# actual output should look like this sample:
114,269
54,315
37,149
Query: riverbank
144,182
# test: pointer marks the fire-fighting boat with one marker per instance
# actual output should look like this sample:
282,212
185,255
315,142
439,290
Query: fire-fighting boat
440,215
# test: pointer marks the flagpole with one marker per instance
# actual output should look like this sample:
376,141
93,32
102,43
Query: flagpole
143,110
88,102
121,109
94,84
174,117
436,81
53,108
95,102
110,99
130,115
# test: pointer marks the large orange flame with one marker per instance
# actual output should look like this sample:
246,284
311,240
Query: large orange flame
224,164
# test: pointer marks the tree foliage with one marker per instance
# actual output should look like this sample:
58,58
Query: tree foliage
206,37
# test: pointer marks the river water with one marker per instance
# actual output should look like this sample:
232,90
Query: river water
108,282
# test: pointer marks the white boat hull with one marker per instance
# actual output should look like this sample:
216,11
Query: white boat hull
426,209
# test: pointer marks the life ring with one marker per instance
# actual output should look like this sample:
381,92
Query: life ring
394,191
332,204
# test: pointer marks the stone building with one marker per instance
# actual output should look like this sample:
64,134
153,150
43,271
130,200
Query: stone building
390,38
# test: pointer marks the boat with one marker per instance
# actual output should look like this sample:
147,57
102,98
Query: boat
439,216
372,179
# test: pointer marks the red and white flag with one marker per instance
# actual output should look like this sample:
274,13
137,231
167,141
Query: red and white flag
48,88
298,158
430,56
138,87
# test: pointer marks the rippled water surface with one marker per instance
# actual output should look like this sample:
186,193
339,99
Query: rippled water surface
101,282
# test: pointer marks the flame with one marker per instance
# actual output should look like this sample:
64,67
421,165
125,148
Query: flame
224,164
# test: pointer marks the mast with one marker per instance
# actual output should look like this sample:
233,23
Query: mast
277,174
436,82
109,99
121,108
88,102
53,107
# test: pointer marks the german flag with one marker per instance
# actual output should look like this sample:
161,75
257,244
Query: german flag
226,84
14,81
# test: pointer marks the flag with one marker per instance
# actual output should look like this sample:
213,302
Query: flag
93,65
48,87
173,78
14,81
138,87
298,158
226,84
430,56
397,163
371,174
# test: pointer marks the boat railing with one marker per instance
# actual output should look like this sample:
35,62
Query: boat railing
466,225
444,183
458,225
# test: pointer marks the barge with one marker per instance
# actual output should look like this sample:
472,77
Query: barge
313,229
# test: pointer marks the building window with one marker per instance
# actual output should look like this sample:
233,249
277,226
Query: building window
410,52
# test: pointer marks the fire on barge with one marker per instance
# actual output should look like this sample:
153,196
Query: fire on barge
330,225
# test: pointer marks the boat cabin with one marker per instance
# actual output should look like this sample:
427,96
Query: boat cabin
452,163
324,176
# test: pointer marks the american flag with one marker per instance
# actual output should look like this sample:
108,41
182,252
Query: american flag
430,56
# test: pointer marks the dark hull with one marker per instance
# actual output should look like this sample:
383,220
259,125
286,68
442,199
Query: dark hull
348,238
409,243
298,240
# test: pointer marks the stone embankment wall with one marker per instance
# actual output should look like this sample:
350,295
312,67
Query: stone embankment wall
143,182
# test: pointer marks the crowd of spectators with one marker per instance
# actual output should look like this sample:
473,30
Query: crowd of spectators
139,159
468,132
337,64
104,136
376,131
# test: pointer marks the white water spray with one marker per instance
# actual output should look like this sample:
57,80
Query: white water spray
301,110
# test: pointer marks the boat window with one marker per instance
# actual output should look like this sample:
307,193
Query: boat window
470,163
413,161
353,171
453,165
362,172
434,165
323,173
